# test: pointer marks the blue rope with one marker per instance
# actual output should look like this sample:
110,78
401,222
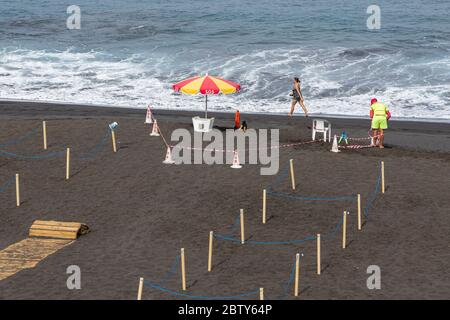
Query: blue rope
95,149
22,138
289,283
331,234
278,179
56,154
374,196
8,154
175,293
171,272
291,196
236,225
7,184
223,237
284,173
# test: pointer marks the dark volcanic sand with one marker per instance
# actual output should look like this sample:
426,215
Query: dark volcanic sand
141,212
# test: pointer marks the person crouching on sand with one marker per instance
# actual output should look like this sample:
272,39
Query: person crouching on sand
379,113
297,97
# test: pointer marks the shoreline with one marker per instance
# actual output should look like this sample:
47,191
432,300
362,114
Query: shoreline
408,135
324,115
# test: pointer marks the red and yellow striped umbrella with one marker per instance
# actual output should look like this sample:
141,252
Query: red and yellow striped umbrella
206,85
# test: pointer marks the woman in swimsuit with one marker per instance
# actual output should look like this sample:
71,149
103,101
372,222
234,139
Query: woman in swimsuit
297,97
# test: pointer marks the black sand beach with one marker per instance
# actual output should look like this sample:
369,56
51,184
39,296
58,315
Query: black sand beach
141,212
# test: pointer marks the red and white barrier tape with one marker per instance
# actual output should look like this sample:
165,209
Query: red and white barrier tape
355,146
224,150
272,147
360,139
201,149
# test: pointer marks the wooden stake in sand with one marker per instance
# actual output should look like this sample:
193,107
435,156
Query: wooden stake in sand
17,190
359,211
113,137
44,133
297,273
141,284
344,230
242,227
211,236
382,177
291,164
264,206
183,271
318,254
67,163
261,293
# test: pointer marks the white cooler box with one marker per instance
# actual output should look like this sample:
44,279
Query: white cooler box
202,124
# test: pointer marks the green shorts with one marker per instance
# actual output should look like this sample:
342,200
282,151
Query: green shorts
379,123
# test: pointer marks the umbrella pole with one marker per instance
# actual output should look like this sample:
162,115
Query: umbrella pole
206,110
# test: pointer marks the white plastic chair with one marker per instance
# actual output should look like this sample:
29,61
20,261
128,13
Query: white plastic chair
321,126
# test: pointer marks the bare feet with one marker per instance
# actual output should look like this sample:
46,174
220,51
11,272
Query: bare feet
381,146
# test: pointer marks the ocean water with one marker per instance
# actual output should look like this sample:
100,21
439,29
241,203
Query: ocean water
129,53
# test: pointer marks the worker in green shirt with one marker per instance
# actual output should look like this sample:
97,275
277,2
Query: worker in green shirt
380,115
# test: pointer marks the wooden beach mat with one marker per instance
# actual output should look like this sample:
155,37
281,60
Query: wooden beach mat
58,229
29,252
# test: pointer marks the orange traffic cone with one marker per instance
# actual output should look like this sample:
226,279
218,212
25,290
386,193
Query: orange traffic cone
149,117
335,147
236,164
237,120
168,159
155,129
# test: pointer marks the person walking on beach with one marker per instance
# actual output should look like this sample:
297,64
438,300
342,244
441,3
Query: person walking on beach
297,97
379,113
